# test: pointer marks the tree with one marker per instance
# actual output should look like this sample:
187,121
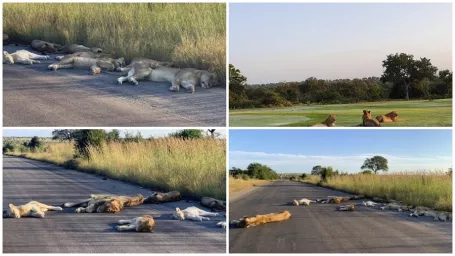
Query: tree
62,135
34,143
113,135
262,172
375,164
237,90
187,134
316,170
402,69
446,76
86,138
326,172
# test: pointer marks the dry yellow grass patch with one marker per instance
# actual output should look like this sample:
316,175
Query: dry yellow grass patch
236,185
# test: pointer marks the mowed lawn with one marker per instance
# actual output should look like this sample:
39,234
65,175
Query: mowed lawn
416,113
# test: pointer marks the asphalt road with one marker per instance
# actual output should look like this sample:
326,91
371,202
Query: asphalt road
35,96
321,229
68,232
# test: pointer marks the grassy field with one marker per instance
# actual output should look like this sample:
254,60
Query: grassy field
236,185
189,34
416,113
194,167
431,189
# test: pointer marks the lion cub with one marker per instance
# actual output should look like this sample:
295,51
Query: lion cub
329,122
192,213
31,209
144,223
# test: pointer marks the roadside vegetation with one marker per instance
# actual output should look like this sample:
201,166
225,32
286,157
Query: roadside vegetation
188,34
188,161
236,185
418,188
255,174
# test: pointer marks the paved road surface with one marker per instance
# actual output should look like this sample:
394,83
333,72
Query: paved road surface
25,180
36,96
321,229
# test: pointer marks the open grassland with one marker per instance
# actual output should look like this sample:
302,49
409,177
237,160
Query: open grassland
431,189
236,185
189,34
416,113
193,167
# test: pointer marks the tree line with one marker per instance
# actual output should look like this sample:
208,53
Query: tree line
254,171
404,77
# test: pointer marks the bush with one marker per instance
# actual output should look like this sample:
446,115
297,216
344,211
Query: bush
367,172
86,138
304,176
8,147
187,134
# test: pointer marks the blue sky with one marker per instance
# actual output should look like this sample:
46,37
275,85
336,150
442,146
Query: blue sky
294,41
299,150
48,132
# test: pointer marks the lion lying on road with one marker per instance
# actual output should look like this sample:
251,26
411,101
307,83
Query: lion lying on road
192,213
213,204
389,117
395,206
45,47
144,223
425,211
74,48
146,62
105,203
22,57
303,201
333,199
158,197
367,121
329,122
31,209
95,65
257,220
90,54
346,208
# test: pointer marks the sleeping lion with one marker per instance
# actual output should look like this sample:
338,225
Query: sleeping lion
105,203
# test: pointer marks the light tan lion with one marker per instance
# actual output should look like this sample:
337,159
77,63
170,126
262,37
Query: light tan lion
73,48
96,65
105,203
395,206
31,209
147,62
346,208
213,204
45,47
389,117
367,121
192,213
303,201
89,54
22,57
329,122
158,197
257,220
144,223
188,78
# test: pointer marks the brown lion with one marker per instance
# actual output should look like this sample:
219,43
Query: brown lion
213,204
389,117
45,47
158,197
346,208
105,203
329,122
367,121
257,220
144,223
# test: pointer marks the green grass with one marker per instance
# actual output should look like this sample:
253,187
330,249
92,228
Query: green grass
189,34
416,113
430,189
194,167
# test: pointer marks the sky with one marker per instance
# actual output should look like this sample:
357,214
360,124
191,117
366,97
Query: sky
48,132
293,41
297,151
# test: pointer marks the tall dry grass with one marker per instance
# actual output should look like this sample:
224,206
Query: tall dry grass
236,185
194,167
189,34
431,189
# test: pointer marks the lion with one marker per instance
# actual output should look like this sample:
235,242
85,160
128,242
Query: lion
419,211
222,224
31,209
346,208
257,220
158,197
389,117
192,213
45,47
144,223
333,200
89,54
213,204
370,204
73,48
329,122
105,203
146,62
395,206
23,57
96,65
303,201
367,121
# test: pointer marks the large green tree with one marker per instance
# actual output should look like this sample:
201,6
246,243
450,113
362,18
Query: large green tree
375,164
63,134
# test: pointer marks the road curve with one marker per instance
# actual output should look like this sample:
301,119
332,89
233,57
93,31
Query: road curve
25,180
34,96
321,229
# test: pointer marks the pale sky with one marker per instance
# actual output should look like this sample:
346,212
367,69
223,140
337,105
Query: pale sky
295,41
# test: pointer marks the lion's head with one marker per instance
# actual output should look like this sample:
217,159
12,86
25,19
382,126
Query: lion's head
392,115
7,58
366,114
208,80
296,202
178,214
119,63
112,206
12,212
